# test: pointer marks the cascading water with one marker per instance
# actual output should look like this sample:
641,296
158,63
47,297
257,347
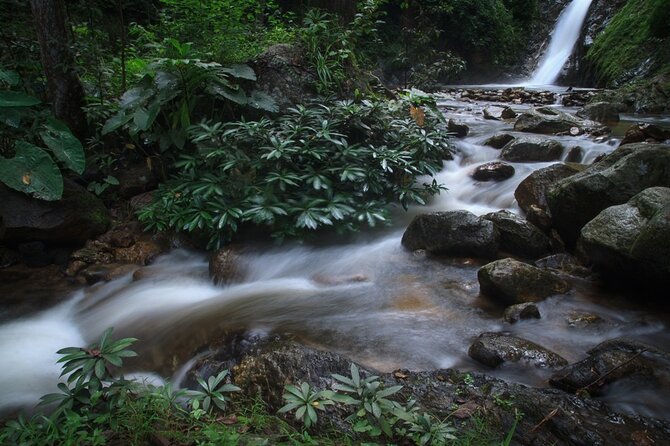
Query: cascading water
563,39
373,302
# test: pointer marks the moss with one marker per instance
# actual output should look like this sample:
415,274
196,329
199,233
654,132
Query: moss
632,40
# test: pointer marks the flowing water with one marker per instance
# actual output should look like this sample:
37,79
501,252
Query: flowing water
372,300
562,41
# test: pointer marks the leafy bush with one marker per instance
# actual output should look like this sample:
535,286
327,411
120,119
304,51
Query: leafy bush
317,165
23,124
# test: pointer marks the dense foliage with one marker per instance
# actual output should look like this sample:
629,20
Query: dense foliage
315,166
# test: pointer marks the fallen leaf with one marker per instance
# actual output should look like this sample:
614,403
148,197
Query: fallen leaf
26,179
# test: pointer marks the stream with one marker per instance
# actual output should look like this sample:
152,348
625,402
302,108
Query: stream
370,300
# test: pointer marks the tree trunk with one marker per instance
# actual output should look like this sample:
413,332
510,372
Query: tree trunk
65,89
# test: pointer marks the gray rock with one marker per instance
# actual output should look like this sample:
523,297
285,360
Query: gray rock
460,130
532,149
515,313
508,113
513,282
493,171
493,349
519,237
225,266
498,141
645,133
614,180
72,220
575,155
615,360
564,263
633,239
546,123
604,112
533,189
458,233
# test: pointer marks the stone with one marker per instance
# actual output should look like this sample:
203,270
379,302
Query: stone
225,266
70,221
494,113
142,252
519,237
543,123
575,155
134,180
615,360
645,133
604,112
627,171
583,320
532,149
493,349
632,240
508,113
457,233
564,263
460,130
533,189
498,141
511,282
515,313
493,171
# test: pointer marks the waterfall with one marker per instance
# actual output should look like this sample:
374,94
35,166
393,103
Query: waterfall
563,39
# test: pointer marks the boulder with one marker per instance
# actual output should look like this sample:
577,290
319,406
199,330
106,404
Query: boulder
493,349
498,113
515,313
460,130
498,141
544,120
284,73
519,237
532,149
457,233
225,266
645,133
604,112
616,360
508,113
513,282
632,240
533,190
576,200
564,263
575,155
72,220
493,171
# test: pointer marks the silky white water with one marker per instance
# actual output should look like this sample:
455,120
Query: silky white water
372,301
562,41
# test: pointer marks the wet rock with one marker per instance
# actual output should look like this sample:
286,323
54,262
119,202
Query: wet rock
134,180
77,217
546,123
533,189
539,217
627,171
498,113
508,113
339,280
142,252
632,240
604,112
94,252
105,273
498,141
512,282
492,349
615,360
493,171
457,233
583,320
519,237
283,72
645,133
532,149
225,266
460,130
564,263
141,201
575,155
34,254
515,313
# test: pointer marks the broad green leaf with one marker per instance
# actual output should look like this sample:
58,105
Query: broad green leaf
10,77
240,71
11,116
262,101
236,95
144,118
117,121
33,172
17,99
64,145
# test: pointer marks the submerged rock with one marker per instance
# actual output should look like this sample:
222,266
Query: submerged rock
457,233
512,282
515,313
498,141
519,237
225,266
532,149
633,239
460,130
627,171
493,349
493,171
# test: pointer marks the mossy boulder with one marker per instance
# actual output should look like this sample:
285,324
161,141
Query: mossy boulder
511,282
519,237
533,189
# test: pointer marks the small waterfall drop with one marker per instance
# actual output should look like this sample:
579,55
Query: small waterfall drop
563,39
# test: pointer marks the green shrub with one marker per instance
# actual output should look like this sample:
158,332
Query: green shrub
316,166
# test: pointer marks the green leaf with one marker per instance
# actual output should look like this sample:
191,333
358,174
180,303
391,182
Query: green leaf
17,99
10,77
240,71
64,145
115,122
11,117
33,172
262,101
237,95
